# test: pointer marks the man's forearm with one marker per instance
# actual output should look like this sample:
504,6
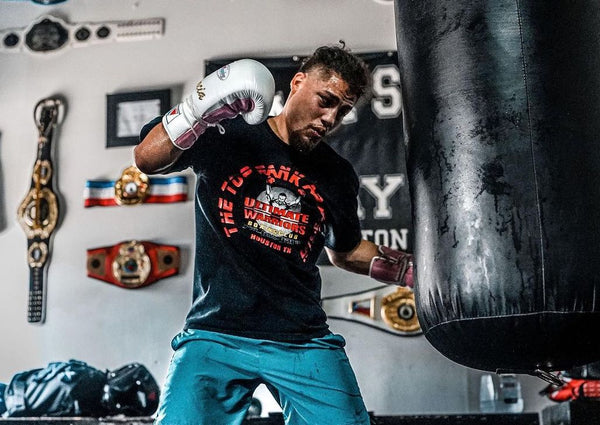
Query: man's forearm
156,152
358,260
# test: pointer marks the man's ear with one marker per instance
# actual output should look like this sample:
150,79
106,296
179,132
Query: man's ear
297,81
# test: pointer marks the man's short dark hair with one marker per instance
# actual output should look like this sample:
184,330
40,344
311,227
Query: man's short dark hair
349,66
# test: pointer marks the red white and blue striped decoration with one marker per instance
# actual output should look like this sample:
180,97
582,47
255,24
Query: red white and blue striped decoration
161,190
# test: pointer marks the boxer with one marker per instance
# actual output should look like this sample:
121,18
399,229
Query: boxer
270,196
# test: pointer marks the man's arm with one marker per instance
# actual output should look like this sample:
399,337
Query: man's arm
358,260
156,152
379,262
244,87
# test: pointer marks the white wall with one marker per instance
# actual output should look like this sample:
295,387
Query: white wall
107,326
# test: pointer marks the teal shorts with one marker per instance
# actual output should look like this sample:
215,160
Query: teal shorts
212,377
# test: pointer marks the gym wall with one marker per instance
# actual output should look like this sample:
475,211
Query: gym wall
108,326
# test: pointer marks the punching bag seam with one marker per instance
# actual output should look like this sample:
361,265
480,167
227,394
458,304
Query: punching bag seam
500,316
533,162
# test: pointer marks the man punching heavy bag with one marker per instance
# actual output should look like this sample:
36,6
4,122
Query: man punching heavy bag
502,125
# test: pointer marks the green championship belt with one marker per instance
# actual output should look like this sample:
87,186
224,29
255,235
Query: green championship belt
38,212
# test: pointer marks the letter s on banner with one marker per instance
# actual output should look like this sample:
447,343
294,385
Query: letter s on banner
387,98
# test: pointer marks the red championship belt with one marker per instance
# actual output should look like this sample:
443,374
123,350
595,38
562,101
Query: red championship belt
133,264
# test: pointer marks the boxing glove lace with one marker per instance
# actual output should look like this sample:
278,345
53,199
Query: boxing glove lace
244,87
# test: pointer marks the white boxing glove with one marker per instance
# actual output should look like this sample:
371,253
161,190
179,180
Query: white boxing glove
244,87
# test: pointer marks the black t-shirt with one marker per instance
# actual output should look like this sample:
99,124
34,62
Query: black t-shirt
263,214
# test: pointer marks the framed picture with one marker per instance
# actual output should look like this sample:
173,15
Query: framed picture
126,114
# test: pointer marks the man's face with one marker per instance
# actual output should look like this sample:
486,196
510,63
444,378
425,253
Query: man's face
317,104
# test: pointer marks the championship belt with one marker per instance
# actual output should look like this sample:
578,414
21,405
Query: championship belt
49,34
133,264
38,212
135,187
391,312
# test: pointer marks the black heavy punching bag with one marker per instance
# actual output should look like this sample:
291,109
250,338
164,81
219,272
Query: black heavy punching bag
502,123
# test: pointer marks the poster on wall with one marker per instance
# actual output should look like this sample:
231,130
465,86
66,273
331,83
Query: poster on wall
371,138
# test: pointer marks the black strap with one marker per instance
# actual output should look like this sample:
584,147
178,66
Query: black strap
37,297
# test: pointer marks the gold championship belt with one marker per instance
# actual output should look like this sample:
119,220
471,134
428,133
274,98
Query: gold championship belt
133,264
399,311
38,212
132,187
387,308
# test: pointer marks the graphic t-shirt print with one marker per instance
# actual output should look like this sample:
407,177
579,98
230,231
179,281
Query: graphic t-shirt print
273,205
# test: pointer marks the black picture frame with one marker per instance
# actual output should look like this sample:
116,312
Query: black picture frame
126,114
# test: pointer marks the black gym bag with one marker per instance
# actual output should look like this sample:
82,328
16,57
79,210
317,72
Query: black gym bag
70,388
74,388
130,390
